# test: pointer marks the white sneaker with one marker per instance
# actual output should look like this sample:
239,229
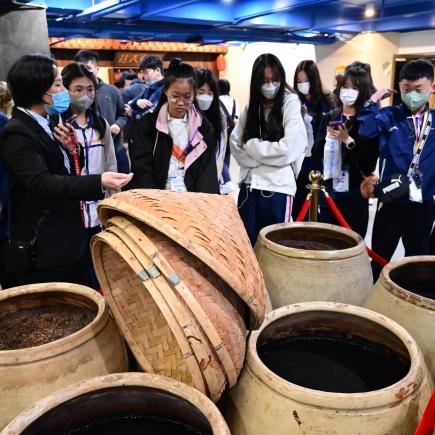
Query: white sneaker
227,188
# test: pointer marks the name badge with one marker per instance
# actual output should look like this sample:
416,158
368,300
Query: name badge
415,194
341,183
177,183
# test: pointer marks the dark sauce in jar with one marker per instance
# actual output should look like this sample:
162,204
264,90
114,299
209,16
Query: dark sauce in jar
333,362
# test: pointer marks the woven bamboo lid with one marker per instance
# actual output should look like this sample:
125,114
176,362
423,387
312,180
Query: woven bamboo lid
152,331
159,289
209,299
206,225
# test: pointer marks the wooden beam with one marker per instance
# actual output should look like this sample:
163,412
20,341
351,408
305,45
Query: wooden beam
146,46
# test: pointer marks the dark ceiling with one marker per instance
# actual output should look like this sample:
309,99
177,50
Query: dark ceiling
232,22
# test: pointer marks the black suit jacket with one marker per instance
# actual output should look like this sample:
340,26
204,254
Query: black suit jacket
40,185
150,156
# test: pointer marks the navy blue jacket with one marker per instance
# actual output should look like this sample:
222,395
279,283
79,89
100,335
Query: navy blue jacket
133,90
395,129
151,93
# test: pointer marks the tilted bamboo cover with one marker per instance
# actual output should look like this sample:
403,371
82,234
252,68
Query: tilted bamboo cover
193,329
206,225
153,337
214,305
177,314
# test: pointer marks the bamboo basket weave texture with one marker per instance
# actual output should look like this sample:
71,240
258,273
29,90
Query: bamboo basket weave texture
206,225
178,314
211,292
139,317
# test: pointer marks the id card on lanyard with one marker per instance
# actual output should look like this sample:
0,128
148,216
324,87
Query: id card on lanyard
176,179
75,151
422,125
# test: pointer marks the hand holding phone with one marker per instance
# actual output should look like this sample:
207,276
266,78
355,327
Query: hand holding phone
62,132
335,123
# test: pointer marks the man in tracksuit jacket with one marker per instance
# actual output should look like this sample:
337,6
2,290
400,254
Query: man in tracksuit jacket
401,129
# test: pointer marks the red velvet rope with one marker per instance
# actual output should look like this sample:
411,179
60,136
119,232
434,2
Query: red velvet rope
375,257
304,210
427,422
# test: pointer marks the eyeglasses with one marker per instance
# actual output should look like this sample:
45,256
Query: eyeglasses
79,92
183,99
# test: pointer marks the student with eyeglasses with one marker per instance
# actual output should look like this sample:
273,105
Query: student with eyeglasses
174,147
94,152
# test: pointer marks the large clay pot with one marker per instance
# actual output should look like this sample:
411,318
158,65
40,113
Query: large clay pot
339,272
329,369
29,374
405,292
125,403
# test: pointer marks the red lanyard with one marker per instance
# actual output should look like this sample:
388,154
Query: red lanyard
180,154
77,169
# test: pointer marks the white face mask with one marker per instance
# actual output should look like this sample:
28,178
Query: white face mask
204,101
269,90
348,96
304,88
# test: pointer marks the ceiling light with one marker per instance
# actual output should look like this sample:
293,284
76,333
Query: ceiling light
370,10
228,1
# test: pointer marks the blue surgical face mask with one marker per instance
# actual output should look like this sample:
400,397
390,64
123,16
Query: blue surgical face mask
61,102
152,81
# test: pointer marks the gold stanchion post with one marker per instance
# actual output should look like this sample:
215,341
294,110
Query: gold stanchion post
315,178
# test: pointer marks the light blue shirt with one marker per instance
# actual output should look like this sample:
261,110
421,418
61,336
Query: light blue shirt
43,122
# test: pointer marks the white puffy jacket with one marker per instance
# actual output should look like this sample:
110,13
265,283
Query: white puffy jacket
268,165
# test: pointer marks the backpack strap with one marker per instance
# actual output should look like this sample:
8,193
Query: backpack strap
233,113
225,110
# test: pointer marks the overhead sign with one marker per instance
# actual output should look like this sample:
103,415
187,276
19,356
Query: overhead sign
128,59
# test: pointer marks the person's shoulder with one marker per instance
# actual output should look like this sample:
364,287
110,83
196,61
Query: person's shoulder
395,111
148,119
17,133
206,125
291,102
16,125
107,87
290,97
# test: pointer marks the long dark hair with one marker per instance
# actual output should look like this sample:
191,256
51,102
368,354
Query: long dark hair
75,71
366,67
213,114
177,70
317,92
361,79
256,126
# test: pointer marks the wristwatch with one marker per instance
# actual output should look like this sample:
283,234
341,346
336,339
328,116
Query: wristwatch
368,103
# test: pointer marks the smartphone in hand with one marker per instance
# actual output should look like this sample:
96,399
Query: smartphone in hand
335,123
